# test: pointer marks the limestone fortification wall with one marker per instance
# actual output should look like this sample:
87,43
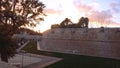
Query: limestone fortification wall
101,42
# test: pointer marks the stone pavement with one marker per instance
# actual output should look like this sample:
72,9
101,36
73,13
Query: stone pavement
5,65
28,60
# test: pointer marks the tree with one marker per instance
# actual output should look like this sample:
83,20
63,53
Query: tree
15,14
7,48
29,31
65,22
83,22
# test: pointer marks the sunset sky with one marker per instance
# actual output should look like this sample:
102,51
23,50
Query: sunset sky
100,12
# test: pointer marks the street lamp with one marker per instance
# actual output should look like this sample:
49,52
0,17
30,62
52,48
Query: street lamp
22,51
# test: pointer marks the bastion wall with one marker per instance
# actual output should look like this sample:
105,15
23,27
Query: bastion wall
100,42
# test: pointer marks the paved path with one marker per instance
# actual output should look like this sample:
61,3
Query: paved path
44,62
5,65
27,60
32,60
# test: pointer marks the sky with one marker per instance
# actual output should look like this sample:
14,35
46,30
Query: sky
104,13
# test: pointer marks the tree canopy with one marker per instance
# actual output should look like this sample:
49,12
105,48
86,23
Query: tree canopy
67,23
17,13
83,22
13,15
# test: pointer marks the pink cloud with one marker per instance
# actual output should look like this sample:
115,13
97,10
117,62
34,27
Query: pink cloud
52,11
115,7
103,15
100,17
83,8
90,11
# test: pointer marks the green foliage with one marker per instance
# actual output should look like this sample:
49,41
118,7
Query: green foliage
30,47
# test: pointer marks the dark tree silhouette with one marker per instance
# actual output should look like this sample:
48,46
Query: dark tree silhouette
7,48
65,22
55,26
29,31
86,22
13,15
83,22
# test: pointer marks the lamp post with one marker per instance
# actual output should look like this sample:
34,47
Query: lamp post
22,51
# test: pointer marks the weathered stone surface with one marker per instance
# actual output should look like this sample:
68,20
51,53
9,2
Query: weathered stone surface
101,42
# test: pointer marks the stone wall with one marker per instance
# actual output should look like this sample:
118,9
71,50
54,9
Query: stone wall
101,42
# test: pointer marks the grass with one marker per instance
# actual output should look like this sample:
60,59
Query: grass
31,47
74,61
